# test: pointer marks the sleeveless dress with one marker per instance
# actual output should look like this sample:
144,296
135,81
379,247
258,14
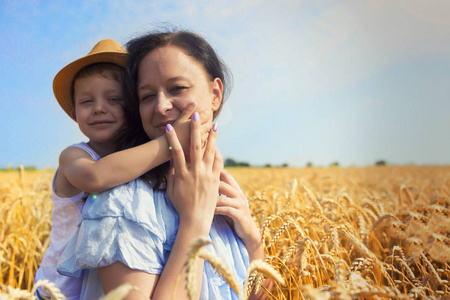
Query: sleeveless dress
136,225
65,216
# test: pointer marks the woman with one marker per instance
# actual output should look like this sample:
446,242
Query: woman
140,233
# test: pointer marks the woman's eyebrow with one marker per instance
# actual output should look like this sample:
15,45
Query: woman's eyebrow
144,87
169,80
176,78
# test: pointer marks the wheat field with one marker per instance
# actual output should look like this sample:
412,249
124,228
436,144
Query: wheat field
329,233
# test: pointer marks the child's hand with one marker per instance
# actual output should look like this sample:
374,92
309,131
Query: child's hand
193,189
182,127
233,206
206,125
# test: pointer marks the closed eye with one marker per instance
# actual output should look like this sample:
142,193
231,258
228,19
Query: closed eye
86,101
148,97
178,89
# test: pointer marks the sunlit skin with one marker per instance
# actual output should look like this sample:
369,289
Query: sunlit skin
98,110
169,80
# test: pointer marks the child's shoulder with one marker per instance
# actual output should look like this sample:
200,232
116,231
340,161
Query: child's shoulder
76,151
73,151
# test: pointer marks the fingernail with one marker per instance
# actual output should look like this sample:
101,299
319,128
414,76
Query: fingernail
171,162
192,104
196,117
169,127
215,127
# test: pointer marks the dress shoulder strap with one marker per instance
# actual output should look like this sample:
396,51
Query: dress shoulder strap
88,149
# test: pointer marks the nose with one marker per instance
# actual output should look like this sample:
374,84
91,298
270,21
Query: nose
163,104
99,107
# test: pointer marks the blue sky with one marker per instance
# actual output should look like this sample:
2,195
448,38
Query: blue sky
314,81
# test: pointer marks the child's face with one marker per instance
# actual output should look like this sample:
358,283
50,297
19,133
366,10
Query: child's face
168,81
98,107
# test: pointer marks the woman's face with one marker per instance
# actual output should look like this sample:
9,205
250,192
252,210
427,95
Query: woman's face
168,81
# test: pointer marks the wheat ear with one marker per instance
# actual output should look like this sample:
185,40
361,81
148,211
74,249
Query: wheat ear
267,270
222,269
50,287
15,294
313,199
191,280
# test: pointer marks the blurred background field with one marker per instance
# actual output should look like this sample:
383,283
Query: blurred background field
332,233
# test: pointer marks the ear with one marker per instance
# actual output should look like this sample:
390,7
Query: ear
217,90
73,115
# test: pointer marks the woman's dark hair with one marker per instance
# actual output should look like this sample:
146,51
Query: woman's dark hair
194,46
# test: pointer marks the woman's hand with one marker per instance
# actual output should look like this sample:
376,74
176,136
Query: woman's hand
233,205
182,127
193,187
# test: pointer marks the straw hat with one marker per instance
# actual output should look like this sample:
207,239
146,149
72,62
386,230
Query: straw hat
108,51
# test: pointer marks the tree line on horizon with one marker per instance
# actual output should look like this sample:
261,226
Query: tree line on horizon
229,162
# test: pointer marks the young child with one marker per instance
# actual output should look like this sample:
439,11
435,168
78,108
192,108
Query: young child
89,90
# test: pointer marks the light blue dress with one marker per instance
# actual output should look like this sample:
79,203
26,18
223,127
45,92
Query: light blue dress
137,226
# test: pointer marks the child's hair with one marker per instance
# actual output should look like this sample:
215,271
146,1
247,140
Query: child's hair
105,51
106,70
194,46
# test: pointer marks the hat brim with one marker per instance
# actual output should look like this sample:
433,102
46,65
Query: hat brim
62,83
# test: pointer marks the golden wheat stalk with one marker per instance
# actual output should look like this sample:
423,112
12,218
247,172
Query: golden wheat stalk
264,268
49,287
12,293
313,200
222,269
191,270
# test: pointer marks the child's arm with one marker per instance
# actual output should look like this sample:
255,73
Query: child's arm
85,174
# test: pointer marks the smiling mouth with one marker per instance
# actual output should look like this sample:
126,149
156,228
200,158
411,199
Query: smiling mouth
101,123
162,125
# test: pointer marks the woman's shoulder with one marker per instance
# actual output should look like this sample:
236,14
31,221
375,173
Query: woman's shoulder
116,201
126,191
135,200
